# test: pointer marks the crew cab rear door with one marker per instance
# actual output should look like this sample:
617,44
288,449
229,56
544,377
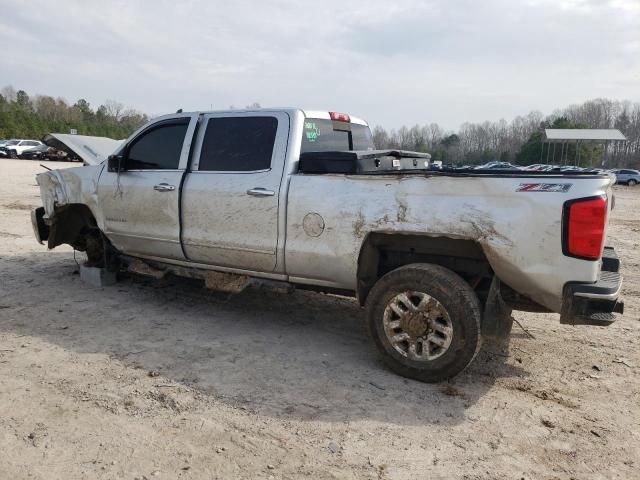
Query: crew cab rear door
141,204
230,199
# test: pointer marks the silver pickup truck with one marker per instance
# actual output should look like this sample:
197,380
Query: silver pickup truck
438,258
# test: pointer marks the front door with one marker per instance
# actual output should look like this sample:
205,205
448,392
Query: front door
231,198
141,205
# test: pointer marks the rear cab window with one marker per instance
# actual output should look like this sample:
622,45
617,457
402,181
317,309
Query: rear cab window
326,135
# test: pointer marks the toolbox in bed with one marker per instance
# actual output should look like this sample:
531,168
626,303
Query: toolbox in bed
365,161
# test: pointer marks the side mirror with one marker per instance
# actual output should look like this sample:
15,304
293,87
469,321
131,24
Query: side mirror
116,163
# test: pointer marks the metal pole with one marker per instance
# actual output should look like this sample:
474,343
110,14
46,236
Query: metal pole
548,148
541,149
577,160
554,152
561,152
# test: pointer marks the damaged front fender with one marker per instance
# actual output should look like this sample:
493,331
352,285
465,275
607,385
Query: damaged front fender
69,199
40,228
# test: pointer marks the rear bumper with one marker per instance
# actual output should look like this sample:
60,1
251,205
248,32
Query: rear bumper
595,303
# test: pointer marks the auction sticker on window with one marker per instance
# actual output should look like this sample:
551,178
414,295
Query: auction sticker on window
311,131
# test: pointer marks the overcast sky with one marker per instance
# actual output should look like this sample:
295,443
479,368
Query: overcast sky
391,62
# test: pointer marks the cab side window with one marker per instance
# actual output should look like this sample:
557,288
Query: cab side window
238,144
158,148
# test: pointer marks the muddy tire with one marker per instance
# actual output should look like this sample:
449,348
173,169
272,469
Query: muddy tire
425,320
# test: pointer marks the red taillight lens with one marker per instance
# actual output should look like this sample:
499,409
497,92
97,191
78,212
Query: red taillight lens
339,117
585,222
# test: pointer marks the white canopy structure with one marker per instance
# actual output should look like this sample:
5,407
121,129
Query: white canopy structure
566,136
561,135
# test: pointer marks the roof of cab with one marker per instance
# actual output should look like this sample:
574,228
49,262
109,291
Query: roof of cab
324,114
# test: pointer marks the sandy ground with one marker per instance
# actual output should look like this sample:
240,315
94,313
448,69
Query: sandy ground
164,379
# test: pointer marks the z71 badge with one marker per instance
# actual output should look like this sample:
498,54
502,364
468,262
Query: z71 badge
544,187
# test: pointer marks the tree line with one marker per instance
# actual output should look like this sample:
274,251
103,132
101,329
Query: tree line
518,141
23,116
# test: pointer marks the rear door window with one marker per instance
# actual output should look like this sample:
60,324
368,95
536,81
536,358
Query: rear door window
238,144
324,135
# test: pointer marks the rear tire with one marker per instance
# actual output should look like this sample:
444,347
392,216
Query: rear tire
632,183
425,320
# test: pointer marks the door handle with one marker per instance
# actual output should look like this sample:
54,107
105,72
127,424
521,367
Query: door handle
164,187
260,192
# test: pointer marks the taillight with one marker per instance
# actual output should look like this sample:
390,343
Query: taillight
583,227
339,117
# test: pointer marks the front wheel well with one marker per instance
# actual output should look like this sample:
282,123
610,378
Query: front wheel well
382,253
75,225
69,223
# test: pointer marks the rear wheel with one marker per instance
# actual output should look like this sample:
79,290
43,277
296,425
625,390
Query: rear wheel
425,320
632,182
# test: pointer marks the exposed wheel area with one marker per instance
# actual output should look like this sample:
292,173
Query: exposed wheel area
418,326
425,320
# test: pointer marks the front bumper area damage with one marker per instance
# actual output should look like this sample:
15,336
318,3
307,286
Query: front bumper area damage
595,303
40,228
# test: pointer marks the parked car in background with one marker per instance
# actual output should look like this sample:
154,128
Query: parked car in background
497,166
15,148
40,152
627,176
4,151
570,168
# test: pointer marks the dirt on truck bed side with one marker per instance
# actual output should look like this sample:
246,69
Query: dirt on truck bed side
164,379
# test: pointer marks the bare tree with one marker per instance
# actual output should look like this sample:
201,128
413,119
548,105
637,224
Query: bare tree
9,93
502,140
113,109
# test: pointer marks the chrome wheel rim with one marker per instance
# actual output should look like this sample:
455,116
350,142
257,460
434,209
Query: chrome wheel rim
418,326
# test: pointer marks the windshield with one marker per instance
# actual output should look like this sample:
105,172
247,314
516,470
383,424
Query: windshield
319,136
13,142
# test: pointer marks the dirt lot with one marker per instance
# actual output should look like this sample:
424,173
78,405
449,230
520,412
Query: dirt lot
151,379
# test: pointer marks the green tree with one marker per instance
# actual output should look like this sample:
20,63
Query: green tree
24,117
23,101
450,140
531,150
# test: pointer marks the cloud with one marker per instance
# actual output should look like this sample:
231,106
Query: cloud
405,62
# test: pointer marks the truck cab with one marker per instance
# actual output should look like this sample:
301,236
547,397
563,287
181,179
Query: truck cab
208,187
